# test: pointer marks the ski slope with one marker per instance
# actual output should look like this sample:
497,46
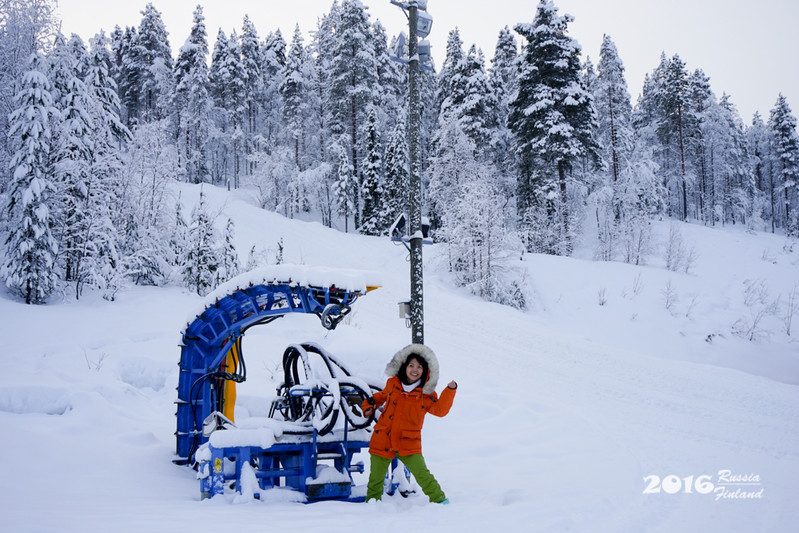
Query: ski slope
562,410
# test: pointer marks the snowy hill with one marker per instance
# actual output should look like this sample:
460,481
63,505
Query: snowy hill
564,413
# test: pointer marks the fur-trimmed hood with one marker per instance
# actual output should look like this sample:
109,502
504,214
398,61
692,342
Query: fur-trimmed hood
393,367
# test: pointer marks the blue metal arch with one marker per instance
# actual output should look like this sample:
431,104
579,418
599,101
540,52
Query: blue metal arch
211,336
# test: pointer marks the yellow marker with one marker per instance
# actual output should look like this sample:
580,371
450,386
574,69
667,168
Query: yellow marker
229,393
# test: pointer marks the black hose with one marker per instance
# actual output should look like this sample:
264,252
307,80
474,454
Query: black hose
302,408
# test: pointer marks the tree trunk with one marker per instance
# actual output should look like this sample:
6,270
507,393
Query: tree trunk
682,166
771,198
356,208
614,154
703,184
564,207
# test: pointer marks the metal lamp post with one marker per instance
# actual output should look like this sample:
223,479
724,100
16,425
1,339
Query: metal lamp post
415,182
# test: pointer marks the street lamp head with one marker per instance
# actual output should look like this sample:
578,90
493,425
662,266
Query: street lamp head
424,24
421,5
424,52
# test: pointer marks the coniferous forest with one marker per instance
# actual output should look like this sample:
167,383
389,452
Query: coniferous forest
529,150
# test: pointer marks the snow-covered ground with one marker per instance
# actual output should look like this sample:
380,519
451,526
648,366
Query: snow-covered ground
562,413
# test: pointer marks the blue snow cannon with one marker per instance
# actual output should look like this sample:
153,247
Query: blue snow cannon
304,444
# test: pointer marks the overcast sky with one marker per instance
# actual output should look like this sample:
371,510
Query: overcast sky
749,49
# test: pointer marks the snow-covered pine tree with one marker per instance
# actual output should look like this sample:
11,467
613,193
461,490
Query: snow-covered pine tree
202,260
586,172
504,78
639,192
426,82
504,68
726,184
218,147
127,74
251,59
179,237
614,112
102,87
229,264
646,112
699,98
740,169
274,61
88,167
373,215
110,133
344,185
758,150
228,87
73,155
61,71
279,252
237,107
392,78
589,74
192,102
353,87
154,63
673,129
321,49
472,100
294,91
116,43
253,259
650,156
316,132
396,177
553,119
30,270
453,57
274,55
77,48
785,147
27,27
616,142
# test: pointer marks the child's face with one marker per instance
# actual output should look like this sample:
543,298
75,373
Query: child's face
414,370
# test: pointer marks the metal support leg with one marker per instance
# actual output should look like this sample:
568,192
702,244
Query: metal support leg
217,477
242,459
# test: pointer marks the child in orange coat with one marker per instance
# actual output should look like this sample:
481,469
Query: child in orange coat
408,396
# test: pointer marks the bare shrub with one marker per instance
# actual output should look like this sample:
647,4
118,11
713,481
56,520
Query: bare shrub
670,296
760,306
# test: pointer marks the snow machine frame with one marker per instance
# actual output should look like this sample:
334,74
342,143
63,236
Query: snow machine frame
211,365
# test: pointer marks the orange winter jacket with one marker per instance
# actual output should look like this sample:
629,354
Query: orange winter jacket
399,428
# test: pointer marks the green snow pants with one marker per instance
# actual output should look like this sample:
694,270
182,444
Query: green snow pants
416,465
